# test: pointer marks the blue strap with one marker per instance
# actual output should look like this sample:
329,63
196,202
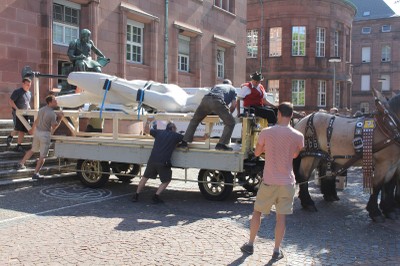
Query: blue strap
106,88
140,97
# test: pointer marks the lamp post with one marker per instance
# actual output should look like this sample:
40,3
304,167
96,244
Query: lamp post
334,60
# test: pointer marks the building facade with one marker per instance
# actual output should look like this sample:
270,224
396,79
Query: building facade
375,53
192,43
302,47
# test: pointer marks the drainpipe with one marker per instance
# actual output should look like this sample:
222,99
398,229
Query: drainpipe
166,44
261,34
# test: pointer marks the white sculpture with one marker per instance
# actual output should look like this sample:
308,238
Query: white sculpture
158,96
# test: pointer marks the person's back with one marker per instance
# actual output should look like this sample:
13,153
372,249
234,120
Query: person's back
164,144
224,91
46,118
280,143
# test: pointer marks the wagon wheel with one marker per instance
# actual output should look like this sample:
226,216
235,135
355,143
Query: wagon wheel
253,181
93,174
221,186
122,170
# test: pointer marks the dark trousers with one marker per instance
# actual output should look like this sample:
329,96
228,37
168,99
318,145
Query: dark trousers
211,105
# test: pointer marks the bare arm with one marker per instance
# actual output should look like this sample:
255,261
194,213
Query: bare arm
12,104
259,149
233,106
238,106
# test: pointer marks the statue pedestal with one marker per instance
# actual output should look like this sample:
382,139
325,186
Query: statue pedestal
134,127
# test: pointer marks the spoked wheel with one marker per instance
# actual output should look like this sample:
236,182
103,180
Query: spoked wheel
215,185
122,169
93,174
253,181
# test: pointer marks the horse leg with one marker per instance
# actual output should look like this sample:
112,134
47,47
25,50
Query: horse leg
305,198
372,206
397,194
328,184
387,203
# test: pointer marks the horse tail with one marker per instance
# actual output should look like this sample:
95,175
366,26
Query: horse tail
296,169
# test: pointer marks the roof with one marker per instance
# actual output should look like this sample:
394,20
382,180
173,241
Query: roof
372,9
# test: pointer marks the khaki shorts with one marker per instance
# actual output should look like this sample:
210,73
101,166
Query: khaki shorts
279,195
41,142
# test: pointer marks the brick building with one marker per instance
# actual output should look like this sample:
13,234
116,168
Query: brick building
375,53
295,44
206,40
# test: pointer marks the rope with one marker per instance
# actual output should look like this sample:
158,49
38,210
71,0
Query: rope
140,95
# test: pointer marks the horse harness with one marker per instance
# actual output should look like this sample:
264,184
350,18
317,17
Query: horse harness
363,145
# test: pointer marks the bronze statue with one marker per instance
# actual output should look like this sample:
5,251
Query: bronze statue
79,53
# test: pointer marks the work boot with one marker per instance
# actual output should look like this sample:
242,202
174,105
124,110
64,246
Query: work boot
9,140
222,147
156,199
183,145
135,197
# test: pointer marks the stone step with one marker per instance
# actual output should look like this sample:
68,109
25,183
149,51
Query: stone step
47,170
6,124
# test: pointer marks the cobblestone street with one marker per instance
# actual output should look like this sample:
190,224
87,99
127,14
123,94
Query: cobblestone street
67,224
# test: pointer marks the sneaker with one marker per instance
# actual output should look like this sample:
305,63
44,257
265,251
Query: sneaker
37,176
156,199
277,255
222,147
135,197
9,140
20,166
19,148
247,248
183,145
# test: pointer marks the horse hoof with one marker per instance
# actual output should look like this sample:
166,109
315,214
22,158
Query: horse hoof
331,198
391,216
378,219
310,208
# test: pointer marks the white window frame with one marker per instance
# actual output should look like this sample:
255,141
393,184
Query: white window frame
365,106
366,54
386,53
66,27
133,44
183,56
366,30
220,62
385,80
386,28
252,43
298,92
365,82
320,42
223,4
299,41
336,44
275,42
273,87
321,93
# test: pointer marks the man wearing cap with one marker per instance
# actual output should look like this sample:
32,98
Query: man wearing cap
253,94
19,99
216,102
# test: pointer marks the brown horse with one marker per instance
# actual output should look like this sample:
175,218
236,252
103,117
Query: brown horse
334,143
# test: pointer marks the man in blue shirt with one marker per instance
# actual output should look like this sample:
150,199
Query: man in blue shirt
159,162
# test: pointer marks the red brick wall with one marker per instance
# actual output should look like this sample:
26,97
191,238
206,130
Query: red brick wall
26,39
329,14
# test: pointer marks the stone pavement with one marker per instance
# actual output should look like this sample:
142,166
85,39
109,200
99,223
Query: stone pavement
67,224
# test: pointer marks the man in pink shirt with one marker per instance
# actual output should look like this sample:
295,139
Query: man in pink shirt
280,143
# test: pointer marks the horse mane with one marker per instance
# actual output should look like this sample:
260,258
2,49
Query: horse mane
394,104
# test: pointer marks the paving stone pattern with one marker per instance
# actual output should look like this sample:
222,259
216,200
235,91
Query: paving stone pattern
48,225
